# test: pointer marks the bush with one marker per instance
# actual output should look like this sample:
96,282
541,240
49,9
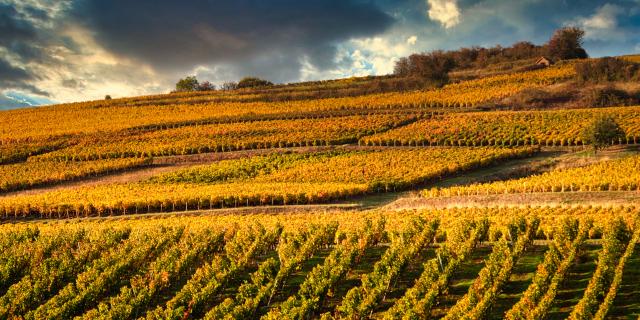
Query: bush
603,132
252,82
187,84
607,70
607,97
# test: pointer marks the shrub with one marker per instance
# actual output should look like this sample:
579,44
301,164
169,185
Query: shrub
253,82
606,70
187,84
603,132
607,97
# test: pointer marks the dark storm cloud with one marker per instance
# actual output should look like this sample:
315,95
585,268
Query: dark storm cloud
80,49
170,34
17,36
12,28
17,78
10,73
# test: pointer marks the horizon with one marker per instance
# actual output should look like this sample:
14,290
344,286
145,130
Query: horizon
66,51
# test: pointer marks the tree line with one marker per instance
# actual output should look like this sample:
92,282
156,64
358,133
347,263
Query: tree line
191,83
566,43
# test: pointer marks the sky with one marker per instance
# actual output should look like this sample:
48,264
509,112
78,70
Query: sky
54,51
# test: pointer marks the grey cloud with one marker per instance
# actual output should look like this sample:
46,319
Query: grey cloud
171,35
12,28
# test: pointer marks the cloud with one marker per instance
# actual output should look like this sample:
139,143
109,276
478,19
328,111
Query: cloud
172,36
85,49
603,24
444,11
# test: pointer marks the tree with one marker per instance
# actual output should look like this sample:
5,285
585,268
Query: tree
402,67
253,82
433,66
107,97
229,85
206,86
603,132
566,43
187,84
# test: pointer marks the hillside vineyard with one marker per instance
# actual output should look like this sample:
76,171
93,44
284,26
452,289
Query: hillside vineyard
285,267
505,190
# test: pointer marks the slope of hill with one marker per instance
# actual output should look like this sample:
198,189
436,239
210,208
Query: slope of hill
233,204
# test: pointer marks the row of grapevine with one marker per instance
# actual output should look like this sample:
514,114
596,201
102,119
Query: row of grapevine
227,137
289,179
272,275
434,280
496,272
290,116
323,277
242,169
51,274
562,253
391,170
13,151
210,278
360,301
101,276
607,303
137,198
615,239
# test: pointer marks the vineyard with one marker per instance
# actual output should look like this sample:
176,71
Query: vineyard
25,175
286,179
462,263
337,199
614,175
544,128
227,137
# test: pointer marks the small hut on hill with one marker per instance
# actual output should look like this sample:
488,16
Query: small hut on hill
544,61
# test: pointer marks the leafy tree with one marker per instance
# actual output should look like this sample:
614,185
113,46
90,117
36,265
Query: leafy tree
566,43
433,66
206,86
253,82
603,132
107,97
187,84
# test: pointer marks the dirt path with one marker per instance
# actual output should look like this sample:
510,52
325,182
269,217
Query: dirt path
172,163
547,159
288,209
133,175
610,198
